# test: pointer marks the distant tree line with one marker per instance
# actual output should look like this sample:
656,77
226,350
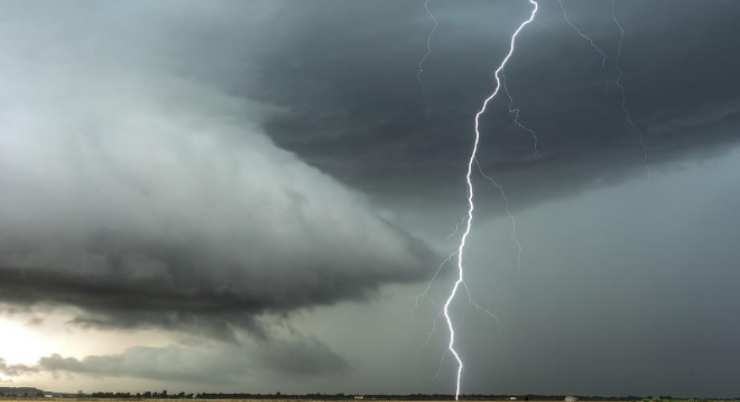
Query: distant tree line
20,392
342,396
33,393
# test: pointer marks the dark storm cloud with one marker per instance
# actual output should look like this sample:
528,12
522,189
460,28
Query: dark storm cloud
357,111
188,288
140,193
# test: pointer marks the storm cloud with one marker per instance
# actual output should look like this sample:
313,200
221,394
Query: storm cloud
144,198
361,115
269,180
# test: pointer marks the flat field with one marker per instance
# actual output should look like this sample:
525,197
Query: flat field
332,400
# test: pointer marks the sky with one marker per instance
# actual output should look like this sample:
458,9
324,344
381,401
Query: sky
259,196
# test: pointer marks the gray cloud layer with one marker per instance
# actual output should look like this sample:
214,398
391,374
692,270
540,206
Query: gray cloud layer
144,198
210,364
14,370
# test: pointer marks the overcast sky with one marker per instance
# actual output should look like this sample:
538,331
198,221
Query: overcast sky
256,195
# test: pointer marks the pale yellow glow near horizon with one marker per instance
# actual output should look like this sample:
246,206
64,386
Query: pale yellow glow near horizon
21,343
24,343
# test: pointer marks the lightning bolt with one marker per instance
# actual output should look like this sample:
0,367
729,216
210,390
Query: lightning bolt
420,297
620,73
582,34
620,85
430,36
515,111
507,210
471,195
